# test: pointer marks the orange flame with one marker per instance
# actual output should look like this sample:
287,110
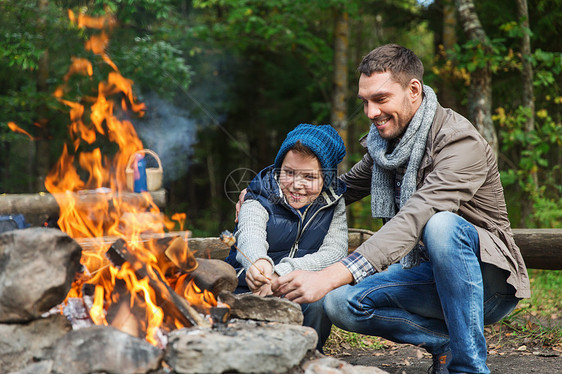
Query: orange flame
16,128
91,191
196,296
97,312
91,22
79,66
186,287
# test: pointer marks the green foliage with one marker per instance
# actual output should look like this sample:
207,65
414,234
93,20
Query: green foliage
140,12
538,150
37,42
546,298
524,153
474,55
20,49
249,70
537,318
155,66
273,26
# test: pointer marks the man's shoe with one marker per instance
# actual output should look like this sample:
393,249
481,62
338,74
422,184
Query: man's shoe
440,363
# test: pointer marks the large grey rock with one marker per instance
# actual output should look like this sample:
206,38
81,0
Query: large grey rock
270,348
102,349
37,267
41,367
25,345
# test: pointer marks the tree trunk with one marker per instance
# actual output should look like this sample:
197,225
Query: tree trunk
447,96
42,158
480,100
339,95
527,101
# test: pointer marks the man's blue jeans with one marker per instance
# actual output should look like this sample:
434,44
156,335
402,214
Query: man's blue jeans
440,305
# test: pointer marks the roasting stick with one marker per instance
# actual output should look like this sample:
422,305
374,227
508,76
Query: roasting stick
228,239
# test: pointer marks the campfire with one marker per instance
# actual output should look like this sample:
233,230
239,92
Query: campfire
140,300
145,287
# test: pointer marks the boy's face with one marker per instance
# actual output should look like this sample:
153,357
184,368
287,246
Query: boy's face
300,179
389,106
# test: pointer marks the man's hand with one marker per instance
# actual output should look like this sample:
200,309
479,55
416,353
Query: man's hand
264,290
239,203
303,286
254,276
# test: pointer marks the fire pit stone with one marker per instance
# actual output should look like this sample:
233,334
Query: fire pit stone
104,349
37,268
244,347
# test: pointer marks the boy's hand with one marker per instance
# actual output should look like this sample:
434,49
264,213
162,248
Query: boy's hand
264,290
255,278
239,203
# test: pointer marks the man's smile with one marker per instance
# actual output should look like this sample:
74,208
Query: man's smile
381,122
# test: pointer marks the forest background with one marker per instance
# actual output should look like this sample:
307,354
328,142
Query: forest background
225,80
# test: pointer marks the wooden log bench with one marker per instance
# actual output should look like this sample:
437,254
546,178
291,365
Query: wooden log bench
541,248
37,207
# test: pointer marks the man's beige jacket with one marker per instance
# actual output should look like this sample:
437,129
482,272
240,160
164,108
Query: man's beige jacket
459,174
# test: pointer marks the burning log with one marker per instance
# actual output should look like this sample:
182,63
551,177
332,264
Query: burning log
208,274
118,254
220,317
77,314
124,318
213,275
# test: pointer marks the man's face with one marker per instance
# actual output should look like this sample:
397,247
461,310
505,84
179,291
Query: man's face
389,106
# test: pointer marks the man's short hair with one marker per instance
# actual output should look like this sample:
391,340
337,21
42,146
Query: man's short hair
401,62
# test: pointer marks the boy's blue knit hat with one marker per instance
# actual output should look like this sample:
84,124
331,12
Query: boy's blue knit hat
324,141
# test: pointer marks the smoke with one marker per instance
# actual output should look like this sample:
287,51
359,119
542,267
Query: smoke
168,131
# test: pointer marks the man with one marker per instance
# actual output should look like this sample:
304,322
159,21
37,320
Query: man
444,263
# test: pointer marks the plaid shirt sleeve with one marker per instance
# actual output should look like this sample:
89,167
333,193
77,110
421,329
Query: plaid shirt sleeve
359,267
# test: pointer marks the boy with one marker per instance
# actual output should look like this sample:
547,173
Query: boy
293,217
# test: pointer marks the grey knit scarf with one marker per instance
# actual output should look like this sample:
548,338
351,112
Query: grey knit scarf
409,151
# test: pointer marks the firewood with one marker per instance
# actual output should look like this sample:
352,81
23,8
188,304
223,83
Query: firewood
174,304
208,274
125,320
212,275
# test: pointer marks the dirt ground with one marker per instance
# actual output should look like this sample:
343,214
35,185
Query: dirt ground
405,359
505,356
